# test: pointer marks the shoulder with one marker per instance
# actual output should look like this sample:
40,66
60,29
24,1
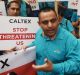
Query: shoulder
39,31
65,34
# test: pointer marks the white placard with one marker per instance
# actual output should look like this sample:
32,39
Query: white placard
34,4
2,9
78,12
16,59
17,31
73,4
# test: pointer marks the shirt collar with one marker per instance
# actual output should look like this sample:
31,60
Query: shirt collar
62,21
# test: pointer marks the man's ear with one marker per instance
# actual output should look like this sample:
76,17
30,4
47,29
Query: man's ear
58,19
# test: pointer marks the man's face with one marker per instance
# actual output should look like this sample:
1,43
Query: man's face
49,23
13,10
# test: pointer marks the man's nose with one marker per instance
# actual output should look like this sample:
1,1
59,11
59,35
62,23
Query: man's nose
15,10
49,24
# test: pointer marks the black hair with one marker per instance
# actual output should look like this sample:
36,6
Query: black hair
9,4
46,9
12,73
61,11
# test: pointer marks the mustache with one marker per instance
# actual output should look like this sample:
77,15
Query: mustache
50,30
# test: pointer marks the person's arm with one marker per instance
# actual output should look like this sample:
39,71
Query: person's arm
30,45
2,52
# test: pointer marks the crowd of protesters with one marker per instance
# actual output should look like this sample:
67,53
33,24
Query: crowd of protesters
56,40
22,8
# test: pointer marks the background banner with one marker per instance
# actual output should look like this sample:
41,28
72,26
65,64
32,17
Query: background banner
17,31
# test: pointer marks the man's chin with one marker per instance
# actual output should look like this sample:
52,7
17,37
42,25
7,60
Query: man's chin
50,35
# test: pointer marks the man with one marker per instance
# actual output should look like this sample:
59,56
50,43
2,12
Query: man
56,48
55,44
25,9
67,11
13,8
65,23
